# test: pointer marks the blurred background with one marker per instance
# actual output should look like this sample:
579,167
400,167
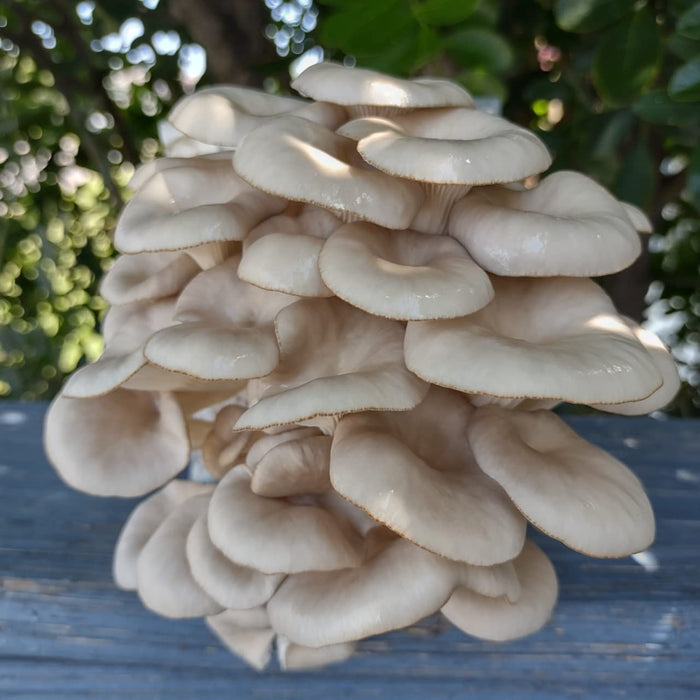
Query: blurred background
612,87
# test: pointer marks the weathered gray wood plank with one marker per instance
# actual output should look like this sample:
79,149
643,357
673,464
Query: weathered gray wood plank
620,630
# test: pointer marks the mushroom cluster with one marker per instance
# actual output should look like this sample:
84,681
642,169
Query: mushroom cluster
358,310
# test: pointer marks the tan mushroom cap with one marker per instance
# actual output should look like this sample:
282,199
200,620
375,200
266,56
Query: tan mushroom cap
223,448
566,225
449,146
637,218
397,585
224,114
199,201
245,633
356,88
403,275
274,535
414,472
226,330
143,521
295,657
130,442
498,619
146,276
281,254
268,441
164,581
230,585
557,338
126,329
175,144
570,489
294,467
665,364
333,359
305,162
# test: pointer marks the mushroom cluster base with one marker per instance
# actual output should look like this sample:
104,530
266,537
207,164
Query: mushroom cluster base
357,314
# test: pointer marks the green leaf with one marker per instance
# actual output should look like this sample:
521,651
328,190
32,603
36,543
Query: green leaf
480,48
589,15
637,177
685,82
693,182
484,84
683,47
627,58
440,13
689,22
657,107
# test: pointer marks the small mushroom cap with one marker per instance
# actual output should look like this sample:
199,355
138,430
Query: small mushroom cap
201,201
143,521
281,254
450,146
403,275
126,329
397,587
570,489
499,619
146,276
223,447
566,325
130,442
567,225
268,441
414,472
305,162
175,144
638,218
226,330
293,468
245,635
295,657
665,364
224,114
334,359
164,581
274,535
230,585
332,82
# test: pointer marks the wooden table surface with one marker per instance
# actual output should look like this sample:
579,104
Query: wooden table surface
622,628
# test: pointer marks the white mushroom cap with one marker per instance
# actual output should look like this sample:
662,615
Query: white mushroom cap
570,489
224,114
398,585
226,330
164,581
295,657
178,145
269,440
499,619
403,274
333,359
665,364
223,447
143,521
302,161
245,633
638,218
126,329
294,467
129,442
567,225
281,254
146,276
414,472
449,146
356,88
230,585
199,201
557,338
274,535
